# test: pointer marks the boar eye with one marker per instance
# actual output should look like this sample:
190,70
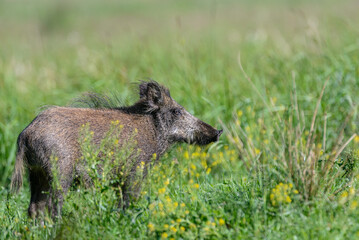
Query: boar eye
176,112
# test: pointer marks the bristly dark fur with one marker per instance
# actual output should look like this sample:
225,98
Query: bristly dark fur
97,101
104,101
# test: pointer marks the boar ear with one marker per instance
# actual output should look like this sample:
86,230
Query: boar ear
152,93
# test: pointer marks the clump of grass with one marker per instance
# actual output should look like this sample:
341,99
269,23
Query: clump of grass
292,151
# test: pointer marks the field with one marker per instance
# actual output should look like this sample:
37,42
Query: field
280,77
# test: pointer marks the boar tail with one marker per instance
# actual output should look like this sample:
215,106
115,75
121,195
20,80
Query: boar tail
17,176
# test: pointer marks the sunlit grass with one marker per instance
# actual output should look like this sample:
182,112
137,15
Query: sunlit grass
253,68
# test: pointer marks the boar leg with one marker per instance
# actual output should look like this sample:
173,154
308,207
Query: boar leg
56,199
124,201
130,191
59,189
39,191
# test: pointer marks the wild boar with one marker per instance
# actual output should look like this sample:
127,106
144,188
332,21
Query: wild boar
159,122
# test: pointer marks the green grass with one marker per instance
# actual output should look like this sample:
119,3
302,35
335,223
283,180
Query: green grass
51,53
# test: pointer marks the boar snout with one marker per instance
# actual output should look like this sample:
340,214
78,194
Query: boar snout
206,134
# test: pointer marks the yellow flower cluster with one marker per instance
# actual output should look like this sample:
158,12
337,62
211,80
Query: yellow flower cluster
174,215
197,156
170,219
282,194
206,162
349,197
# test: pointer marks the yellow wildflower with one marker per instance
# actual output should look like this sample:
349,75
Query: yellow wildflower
221,222
193,166
274,100
271,196
351,191
321,153
344,194
353,205
164,235
204,163
161,190
151,227
167,182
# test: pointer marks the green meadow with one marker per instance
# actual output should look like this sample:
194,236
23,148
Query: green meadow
280,77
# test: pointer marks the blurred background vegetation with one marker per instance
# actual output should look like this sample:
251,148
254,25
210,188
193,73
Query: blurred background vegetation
52,51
